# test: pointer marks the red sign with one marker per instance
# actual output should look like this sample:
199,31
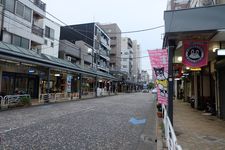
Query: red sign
195,53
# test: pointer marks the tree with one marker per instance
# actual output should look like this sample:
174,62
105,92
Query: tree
151,85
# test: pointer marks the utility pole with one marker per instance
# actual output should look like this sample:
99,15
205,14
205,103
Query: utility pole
170,79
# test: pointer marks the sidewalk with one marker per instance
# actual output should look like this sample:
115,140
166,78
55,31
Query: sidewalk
197,131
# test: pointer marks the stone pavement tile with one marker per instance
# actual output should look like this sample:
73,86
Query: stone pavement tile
196,131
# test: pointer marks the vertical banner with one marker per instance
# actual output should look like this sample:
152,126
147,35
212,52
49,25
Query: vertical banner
68,83
159,63
195,53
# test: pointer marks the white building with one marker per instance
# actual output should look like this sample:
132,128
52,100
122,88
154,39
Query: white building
25,24
127,56
144,76
51,38
136,61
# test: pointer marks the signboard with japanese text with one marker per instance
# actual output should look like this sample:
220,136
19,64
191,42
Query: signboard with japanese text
159,63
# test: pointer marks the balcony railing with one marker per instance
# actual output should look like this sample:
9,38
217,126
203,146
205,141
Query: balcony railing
40,4
37,30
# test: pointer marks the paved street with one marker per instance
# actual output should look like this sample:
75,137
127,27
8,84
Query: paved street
93,124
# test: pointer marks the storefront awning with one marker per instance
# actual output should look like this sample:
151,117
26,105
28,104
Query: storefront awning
12,52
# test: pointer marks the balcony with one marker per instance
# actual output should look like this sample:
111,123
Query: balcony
37,30
40,4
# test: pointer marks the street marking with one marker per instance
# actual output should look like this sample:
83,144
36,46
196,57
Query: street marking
135,121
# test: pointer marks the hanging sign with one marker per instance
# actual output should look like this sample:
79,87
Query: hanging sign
195,53
159,63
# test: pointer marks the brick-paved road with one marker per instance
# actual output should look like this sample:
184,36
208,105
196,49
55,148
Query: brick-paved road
99,124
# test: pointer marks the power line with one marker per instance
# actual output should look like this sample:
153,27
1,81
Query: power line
135,31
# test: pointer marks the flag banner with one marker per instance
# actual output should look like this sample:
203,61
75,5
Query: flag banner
159,63
195,53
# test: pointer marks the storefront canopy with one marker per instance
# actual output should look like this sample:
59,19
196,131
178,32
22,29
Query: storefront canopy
200,23
11,52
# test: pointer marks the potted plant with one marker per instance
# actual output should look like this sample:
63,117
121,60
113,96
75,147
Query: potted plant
159,112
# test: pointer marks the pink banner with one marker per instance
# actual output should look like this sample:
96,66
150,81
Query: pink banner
159,63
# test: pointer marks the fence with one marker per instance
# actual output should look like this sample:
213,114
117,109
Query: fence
170,135
55,97
10,100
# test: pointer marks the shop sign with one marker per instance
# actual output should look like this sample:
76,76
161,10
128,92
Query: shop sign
68,83
195,53
159,63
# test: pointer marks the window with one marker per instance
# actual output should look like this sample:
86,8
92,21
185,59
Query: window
19,9
23,11
27,14
46,42
24,43
20,41
49,33
126,53
52,44
124,66
10,5
124,59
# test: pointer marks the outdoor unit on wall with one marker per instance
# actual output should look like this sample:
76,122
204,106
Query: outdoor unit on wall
69,58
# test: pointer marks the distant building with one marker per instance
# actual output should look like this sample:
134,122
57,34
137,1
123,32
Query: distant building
93,35
144,76
114,33
136,62
127,56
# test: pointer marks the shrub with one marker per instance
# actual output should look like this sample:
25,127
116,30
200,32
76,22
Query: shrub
25,101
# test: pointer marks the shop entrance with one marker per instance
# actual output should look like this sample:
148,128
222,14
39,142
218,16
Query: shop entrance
16,83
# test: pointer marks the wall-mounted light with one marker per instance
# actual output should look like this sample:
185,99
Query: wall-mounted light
221,52
179,59
56,75
188,68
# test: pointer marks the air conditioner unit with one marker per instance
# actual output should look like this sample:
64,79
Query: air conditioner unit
69,58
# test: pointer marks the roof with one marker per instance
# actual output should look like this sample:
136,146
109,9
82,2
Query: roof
9,51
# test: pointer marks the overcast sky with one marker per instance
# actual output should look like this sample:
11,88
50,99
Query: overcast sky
128,14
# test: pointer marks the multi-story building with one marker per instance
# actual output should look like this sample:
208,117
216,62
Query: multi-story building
144,76
114,33
93,35
78,53
51,38
136,61
23,22
127,56
178,4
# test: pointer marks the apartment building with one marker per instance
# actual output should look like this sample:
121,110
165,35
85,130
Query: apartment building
136,62
127,55
92,34
23,22
51,38
114,33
